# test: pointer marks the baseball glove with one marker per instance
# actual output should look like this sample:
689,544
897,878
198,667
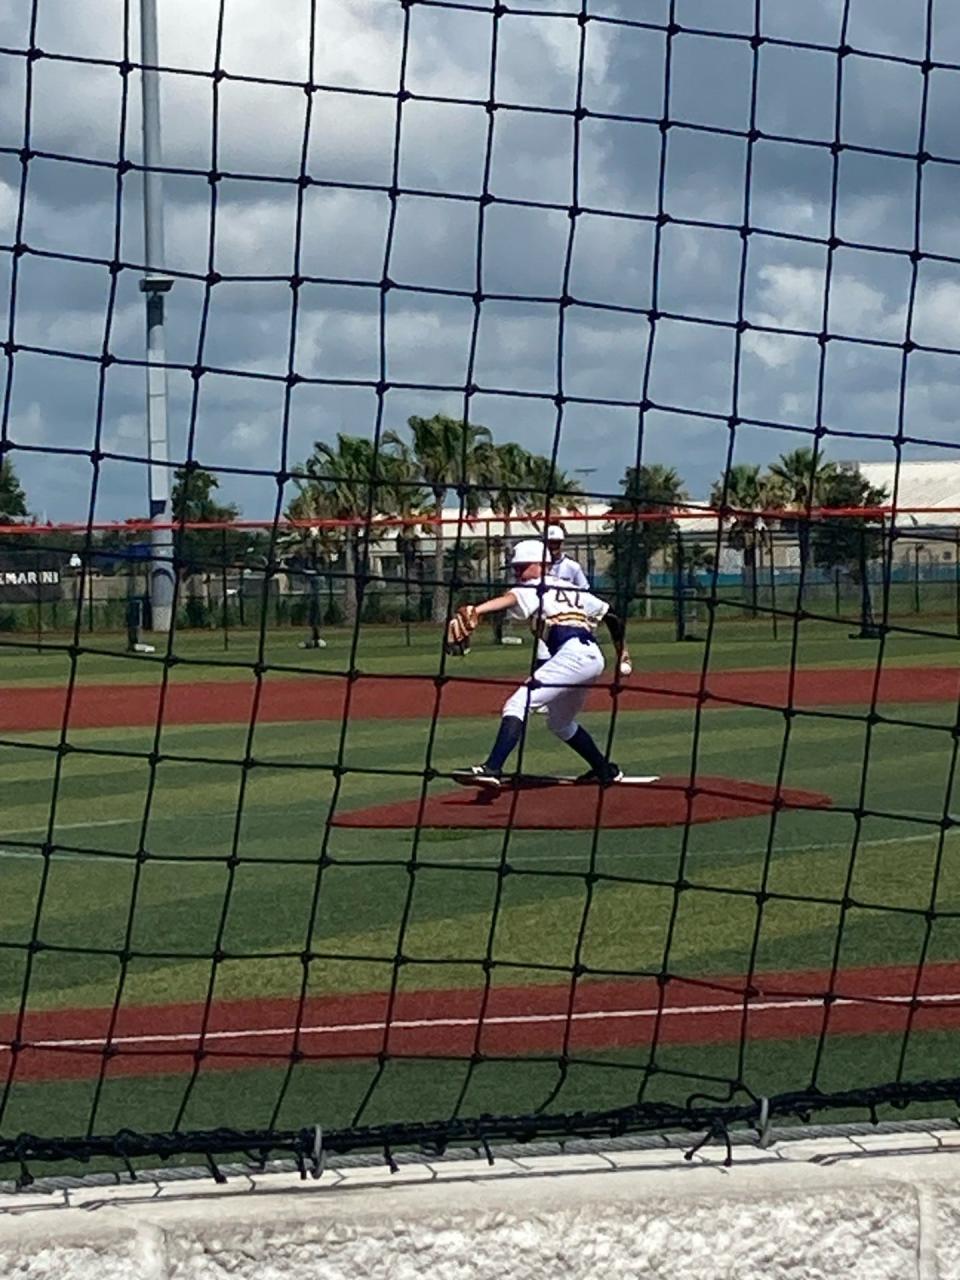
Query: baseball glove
459,630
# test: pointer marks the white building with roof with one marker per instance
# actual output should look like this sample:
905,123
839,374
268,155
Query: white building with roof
931,484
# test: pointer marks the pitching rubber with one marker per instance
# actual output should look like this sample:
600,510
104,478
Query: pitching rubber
549,780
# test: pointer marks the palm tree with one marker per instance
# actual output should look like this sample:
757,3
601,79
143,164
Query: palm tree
548,489
798,481
463,560
507,468
352,481
449,453
747,491
306,547
410,502
633,543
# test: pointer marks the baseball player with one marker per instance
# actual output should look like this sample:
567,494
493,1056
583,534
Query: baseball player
564,567
566,618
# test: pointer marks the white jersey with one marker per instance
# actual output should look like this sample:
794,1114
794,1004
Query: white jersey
567,570
556,611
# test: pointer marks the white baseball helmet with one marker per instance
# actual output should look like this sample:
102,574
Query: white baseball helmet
555,534
529,551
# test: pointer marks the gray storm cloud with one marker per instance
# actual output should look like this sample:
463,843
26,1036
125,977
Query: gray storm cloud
258,130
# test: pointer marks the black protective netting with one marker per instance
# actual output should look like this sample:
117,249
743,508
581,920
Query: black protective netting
709,249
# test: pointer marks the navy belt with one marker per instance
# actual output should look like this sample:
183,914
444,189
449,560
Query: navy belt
557,637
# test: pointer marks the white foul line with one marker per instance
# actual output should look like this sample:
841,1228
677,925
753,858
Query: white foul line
520,1019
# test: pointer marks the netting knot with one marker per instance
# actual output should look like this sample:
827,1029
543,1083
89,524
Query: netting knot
34,53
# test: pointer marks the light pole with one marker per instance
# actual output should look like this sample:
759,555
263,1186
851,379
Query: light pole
591,565
153,286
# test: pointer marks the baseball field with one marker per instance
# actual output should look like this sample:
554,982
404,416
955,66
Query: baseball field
238,888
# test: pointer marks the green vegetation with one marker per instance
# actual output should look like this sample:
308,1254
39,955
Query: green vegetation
647,491
400,650
13,501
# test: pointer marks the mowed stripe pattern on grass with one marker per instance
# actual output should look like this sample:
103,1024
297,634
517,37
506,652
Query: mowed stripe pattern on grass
456,1024
385,697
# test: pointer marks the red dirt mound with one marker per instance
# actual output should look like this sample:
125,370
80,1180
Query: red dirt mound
378,697
669,802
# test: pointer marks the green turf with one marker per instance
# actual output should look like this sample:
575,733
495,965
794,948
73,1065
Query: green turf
608,901
384,649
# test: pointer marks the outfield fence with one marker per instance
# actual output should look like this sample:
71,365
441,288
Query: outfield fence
51,583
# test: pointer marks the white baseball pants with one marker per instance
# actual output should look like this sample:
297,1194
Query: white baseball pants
561,686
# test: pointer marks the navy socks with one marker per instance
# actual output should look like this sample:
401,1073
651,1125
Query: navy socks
509,734
585,747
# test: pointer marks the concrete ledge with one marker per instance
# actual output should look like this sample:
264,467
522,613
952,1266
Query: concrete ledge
871,1208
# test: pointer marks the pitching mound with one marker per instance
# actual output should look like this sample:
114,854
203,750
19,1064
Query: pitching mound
669,802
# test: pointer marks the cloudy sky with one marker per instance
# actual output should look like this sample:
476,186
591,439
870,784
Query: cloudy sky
259,130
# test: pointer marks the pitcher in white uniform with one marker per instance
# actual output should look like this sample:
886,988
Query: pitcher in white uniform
564,568
566,619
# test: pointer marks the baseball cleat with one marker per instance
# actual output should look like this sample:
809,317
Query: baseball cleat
612,773
477,775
